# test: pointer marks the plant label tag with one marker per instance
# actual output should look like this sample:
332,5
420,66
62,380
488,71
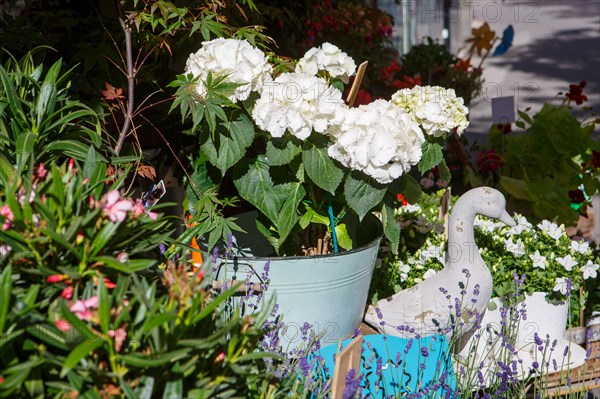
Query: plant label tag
503,110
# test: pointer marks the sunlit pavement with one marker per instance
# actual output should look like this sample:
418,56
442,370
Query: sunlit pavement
556,43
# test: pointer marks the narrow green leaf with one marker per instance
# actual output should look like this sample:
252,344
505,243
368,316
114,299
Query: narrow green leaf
288,216
103,237
47,96
103,306
48,334
5,290
154,360
173,390
391,228
11,94
362,195
79,352
24,148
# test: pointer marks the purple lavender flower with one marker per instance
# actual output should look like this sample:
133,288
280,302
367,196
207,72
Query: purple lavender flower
379,367
569,287
215,254
162,248
304,366
566,352
535,365
352,385
408,346
537,339
424,351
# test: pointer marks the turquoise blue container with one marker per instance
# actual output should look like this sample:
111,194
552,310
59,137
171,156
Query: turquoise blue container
423,366
329,291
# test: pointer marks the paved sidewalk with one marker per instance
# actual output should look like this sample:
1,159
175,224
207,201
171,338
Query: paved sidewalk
556,43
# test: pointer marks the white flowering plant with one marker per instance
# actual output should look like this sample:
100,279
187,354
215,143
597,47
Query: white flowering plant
551,262
277,136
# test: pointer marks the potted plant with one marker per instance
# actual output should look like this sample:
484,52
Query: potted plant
276,138
537,270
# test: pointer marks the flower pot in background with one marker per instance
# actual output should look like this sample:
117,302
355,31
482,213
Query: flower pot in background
549,321
329,292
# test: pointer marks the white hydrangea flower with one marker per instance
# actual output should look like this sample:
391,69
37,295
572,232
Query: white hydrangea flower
538,259
298,103
237,60
561,285
582,246
567,262
429,273
378,139
327,58
516,248
438,110
589,270
551,229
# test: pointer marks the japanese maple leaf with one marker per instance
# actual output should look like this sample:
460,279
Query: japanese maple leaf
112,93
482,38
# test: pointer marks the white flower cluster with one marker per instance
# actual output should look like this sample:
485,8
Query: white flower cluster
237,60
439,111
378,139
298,103
328,58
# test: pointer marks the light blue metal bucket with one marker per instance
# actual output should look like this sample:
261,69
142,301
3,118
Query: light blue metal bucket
327,291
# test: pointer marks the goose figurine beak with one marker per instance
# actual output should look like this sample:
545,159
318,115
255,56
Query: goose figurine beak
507,219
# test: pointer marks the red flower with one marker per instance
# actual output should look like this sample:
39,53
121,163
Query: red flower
488,161
1,379
62,325
401,198
576,93
388,71
56,278
363,97
67,293
504,127
576,196
109,284
407,82
462,65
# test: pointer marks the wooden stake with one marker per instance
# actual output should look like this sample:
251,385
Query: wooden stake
347,359
360,73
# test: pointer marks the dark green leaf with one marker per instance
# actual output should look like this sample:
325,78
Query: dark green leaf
432,156
82,350
321,169
281,151
362,195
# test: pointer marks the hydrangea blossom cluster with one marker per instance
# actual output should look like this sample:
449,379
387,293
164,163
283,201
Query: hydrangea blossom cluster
438,110
327,58
378,139
237,60
298,103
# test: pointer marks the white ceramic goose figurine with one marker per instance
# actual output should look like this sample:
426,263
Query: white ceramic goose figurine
426,307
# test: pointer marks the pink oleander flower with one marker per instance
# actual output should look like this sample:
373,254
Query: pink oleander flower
119,335
82,309
139,209
41,171
115,208
55,278
8,217
67,293
62,325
